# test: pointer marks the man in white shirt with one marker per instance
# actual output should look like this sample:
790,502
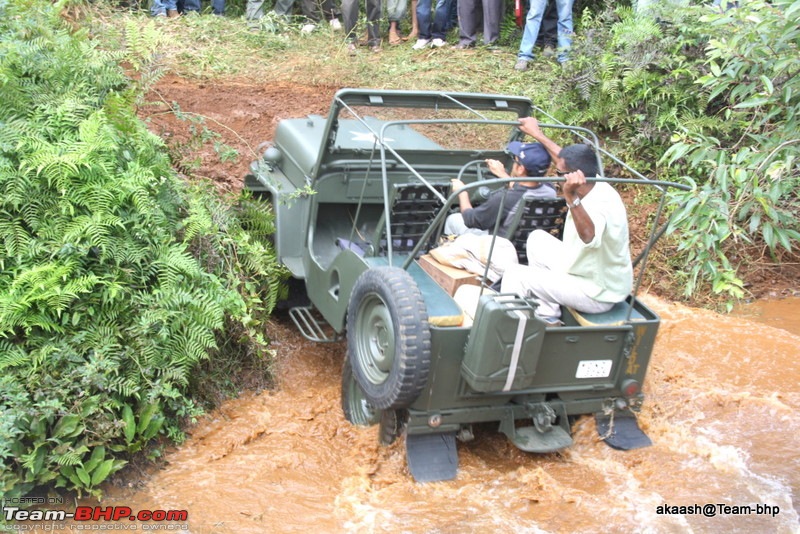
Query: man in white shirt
590,270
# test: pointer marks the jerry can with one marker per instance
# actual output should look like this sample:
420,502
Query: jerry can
503,348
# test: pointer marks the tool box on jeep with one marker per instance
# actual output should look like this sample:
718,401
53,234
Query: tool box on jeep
359,197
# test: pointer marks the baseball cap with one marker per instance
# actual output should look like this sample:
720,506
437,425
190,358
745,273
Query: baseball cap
533,156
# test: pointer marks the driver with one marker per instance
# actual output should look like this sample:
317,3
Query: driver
590,270
530,159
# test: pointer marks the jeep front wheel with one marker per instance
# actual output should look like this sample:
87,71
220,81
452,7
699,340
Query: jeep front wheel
388,339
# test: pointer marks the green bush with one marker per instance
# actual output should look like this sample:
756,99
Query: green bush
708,95
747,173
634,77
116,279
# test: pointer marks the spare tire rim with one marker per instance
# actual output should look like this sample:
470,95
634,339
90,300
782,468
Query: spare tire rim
375,339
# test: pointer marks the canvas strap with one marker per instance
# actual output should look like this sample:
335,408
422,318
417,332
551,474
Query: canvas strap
512,367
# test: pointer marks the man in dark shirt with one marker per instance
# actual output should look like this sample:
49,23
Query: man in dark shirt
530,159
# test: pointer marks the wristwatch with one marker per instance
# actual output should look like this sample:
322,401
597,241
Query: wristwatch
576,202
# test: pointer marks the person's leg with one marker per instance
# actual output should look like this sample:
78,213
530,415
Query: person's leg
467,22
414,22
350,19
328,9
551,289
441,19
492,15
548,31
374,23
218,7
424,19
158,9
283,7
546,279
254,9
452,22
454,224
395,11
564,29
311,10
173,8
532,22
191,6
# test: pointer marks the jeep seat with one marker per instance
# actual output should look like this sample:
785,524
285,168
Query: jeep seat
412,210
613,317
532,214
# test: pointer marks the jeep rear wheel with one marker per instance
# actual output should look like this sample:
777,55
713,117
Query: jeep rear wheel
388,339
356,408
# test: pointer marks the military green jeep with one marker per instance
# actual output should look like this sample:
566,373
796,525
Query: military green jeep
359,197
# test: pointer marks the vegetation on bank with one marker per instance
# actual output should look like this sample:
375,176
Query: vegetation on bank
699,93
117,279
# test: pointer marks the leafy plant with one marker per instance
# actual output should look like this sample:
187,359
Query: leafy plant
116,279
634,76
747,176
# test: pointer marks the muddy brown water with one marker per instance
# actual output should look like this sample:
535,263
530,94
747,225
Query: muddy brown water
721,408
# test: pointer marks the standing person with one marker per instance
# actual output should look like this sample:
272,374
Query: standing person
164,8
350,19
311,11
432,30
396,11
531,32
254,10
548,32
469,15
590,270
530,159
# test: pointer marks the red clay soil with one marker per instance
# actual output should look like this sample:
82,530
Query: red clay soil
243,116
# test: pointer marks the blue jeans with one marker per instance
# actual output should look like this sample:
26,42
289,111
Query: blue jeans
441,18
534,21
161,6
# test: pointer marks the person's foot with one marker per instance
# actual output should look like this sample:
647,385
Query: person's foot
173,13
548,51
521,65
352,49
438,43
161,14
421,43
394,37
308,28
463,45
335,25
375,49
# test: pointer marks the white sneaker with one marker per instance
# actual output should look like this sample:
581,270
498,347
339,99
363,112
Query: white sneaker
335,25
308,28
420,44
438,43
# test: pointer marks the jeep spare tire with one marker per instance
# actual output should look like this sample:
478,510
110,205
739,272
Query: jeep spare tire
388,339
